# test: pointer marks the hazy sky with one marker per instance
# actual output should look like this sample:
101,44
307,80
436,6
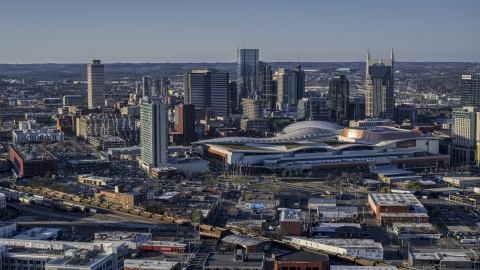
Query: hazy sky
210,31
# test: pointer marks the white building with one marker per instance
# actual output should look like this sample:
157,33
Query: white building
30,135
150,265
356,267
8,230
314,203
153,132
363,248
39,234
51,255
132,239
465,134
337,212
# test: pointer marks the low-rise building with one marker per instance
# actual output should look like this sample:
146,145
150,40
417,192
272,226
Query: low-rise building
164,247
336,213
363,248
8,230
337,230
169,197
301,260
150,265
446,259
356,267
237,260
106,142
247,243
36,136
314,203
95,180
132,239
291,221
33,160
39,234
412,230
395,207
125,199
59,255
78,166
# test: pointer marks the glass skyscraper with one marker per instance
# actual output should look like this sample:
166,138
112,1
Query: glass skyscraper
470,90
248,72
379,92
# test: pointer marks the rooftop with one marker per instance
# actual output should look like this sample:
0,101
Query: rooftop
107,138
352,267
397,199
227,259
304,256
342,243
322,201
38,234
144,264
243,240
33,152
166,243
290,214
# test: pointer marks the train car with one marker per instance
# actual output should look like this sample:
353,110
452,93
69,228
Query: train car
25,200
39,197
146,214
46,203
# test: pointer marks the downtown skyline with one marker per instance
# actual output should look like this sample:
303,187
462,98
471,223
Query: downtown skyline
196,32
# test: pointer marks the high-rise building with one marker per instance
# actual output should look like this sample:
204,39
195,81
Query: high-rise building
405,112
465,134
286,89
207,88
153,132
165,86
300,81
184,125
145,86
232,92
96,84
248,72
379,90
470,90
253,107
267,85
338,93
356,109
313,108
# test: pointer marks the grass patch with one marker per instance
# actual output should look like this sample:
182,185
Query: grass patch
332,143
290,145
276,189
240,147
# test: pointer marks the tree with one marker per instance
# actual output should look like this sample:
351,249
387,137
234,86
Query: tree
82,196
468,168
197,217
417,186
284,173
385,189
329,178
344,176
232,211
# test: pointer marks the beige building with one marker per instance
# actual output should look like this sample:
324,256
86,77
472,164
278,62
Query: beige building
96,84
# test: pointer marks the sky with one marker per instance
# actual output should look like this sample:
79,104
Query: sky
174,31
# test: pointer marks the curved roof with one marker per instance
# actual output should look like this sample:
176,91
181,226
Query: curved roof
301,131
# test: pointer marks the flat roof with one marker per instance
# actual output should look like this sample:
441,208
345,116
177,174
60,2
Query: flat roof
322,201
442,189
337,208
227,259
355,267
242,240
453,256
343,243
166,243
290,214
37,234
397,199
147,264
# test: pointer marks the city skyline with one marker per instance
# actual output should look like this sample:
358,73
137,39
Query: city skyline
194,32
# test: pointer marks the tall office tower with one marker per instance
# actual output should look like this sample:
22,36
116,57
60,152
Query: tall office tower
165,86
300,81
465,134
356,109
470,90
247,72
267,85
96,84
145,86
338,93
207,88
184,125
156,88
313,108
153,132
232,93
286,89
379,88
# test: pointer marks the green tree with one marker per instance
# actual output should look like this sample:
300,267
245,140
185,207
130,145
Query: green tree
82,196
197,217
385,189
417,186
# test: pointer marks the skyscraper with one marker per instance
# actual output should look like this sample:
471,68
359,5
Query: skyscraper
338,93
96,84
207,88
300,81
466,123
248,72
184,124
380,101
286,89
153,132
145,86
470,90
267,85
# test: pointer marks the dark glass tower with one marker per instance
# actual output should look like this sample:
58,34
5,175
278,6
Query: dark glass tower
338,93
266,85
470,90
379,92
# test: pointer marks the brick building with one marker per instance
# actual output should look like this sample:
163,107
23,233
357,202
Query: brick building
184,125
304,260
33,160
291,221
247,243
127,199
394,207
